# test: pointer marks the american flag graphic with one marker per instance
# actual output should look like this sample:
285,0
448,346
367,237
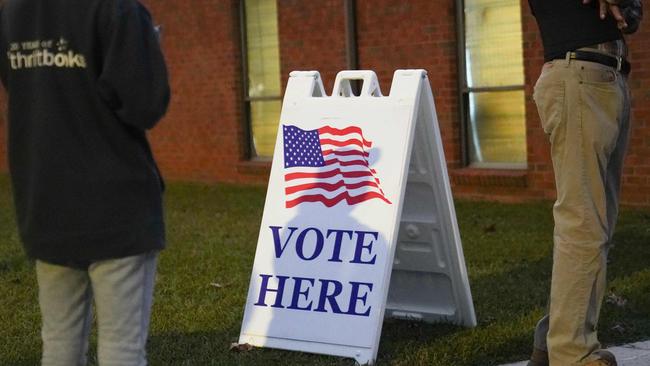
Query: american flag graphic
328,165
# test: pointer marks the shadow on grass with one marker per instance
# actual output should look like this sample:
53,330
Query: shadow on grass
507,308
212,348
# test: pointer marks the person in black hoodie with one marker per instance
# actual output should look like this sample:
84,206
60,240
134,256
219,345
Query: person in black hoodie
583,100
85,79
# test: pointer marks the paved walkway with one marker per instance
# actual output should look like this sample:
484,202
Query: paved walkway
635,354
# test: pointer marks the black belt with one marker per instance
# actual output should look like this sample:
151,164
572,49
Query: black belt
618,63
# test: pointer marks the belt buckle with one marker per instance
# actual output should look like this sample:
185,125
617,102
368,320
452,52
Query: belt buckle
570,56
619,63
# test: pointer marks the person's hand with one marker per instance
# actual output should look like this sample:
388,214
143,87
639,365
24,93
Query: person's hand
611,7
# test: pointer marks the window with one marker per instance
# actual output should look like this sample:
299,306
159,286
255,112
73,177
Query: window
262,74
492,84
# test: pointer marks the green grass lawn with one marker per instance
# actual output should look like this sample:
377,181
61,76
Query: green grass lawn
212,232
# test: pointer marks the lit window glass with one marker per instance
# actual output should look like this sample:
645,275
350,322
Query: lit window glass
264,123
263,79
497,129
496,123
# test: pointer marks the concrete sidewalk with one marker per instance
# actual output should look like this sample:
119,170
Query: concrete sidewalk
635,354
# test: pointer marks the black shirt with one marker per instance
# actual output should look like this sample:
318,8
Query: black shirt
566,25
85,79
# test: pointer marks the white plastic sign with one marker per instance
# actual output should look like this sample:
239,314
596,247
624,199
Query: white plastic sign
333,220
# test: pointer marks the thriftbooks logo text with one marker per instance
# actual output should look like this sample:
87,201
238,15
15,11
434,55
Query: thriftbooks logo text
38,54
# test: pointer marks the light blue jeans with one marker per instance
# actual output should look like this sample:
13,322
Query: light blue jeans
122,290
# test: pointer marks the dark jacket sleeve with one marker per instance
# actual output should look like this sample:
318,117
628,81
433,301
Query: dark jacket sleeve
133,79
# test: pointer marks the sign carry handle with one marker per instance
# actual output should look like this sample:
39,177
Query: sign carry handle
343,85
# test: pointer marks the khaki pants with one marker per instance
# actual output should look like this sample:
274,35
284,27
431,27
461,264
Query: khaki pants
585,110
122,290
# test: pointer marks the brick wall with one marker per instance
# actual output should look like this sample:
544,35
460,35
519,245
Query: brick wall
312,38
203,137
636,179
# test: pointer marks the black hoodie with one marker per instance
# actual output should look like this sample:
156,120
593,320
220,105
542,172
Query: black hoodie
85,79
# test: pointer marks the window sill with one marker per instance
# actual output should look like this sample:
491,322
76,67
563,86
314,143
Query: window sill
254,167
489,177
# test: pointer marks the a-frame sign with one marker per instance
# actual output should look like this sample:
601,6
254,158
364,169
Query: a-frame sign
359,221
